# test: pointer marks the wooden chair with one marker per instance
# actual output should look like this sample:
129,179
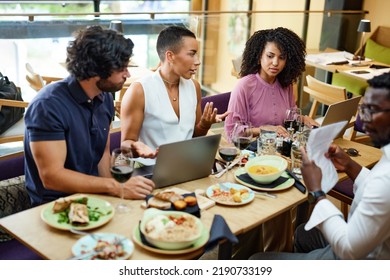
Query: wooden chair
327,94
322,93
16,132
117,103
37,81
381,35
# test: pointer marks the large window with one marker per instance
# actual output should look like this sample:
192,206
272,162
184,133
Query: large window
39,31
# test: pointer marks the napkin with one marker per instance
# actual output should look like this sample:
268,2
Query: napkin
194,210
317,145
247,179
253,146
220,231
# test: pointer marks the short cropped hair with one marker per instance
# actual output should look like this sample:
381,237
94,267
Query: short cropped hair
171,38
98,52
289,44
381,81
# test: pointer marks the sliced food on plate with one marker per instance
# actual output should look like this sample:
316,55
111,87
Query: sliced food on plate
164,200
230,194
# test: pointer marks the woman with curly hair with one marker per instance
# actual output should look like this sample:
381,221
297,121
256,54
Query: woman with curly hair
273,60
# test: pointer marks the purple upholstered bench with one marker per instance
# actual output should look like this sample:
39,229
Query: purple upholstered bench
220,101
13,198
343,191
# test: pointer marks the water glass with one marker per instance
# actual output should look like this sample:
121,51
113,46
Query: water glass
266,143
296,160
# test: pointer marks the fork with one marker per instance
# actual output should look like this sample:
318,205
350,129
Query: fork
77,231
265,194
230,166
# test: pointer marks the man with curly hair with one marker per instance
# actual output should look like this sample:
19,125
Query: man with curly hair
272,61
67,125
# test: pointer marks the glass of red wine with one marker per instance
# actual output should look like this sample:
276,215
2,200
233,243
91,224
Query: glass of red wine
242,135
228,154
293,120
122,167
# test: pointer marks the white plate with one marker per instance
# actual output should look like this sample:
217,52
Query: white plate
226,187
86,244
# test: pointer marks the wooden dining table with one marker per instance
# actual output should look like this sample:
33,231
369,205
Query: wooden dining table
362,71
51,243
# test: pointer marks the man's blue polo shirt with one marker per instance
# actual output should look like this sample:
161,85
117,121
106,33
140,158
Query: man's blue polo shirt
62,111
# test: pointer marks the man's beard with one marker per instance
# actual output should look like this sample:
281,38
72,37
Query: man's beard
107,86
380,142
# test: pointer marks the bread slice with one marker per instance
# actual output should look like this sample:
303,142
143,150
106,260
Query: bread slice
78,213
64,202
155,202
169,196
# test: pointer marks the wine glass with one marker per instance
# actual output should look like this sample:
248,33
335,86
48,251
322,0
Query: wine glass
242,134
293,120
228,154
122,167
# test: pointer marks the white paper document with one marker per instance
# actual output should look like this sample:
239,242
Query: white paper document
317,145
329,58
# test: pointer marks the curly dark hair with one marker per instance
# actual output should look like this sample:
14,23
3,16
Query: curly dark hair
98,52
171,38
289,44
381,81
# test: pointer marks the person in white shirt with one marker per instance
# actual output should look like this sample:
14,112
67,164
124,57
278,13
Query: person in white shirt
366,234
165,106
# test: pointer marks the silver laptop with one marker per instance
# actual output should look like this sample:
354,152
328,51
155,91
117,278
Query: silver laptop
341,111
182,161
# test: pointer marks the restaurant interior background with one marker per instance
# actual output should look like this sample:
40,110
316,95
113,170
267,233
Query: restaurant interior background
38,31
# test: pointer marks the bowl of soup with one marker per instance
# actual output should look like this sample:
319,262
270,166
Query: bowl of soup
266,169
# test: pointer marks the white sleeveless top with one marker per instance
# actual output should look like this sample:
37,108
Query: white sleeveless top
161,124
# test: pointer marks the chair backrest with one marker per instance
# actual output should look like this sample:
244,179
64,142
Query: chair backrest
35,80
323,93
16,132
118,103
220,101
381,35
115,138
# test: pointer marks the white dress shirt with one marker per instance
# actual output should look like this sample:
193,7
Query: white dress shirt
366,235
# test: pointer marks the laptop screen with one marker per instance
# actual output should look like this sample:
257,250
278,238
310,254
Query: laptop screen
183,161
341,111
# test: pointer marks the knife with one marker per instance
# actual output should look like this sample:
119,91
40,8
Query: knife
230,166
297,183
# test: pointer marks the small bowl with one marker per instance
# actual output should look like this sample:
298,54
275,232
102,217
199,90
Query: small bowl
175,243
269,160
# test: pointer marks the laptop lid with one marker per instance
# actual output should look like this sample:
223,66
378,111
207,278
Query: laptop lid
341,111
182,161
